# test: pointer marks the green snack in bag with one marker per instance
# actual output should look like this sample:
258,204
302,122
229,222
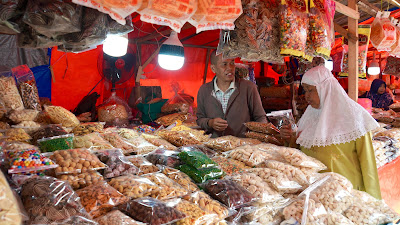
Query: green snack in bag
197,160
201,176
52,144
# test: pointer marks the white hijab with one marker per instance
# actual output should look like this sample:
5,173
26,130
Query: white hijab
338,120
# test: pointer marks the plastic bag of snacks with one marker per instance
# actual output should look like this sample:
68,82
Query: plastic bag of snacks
229,193
250,141
47,131
194,214
27,87
168,187
258,187
52,144
230,166
263,215
395,49
180,178
297,158
76,161
383,32
11,212
87,128
118,142
16,134
164,157
91,141
82,180
141,146
53,18
134,186
117,164
100,198
293,173
171,118
127,133
197,160
49,200
28,126
159,142
283,117
266,128
143,165
225,143
264,138
392,66
60,115
201,176
294,27
320,28
198,148
182,138
145,129
208,204
315,211
151,211
212,15
116,217
252,155
18,116
113,109
14,146
77,220
277,179
9,92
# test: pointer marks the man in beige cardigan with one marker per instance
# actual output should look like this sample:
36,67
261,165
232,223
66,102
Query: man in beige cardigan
226,103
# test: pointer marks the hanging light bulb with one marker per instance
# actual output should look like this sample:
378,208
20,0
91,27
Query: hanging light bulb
116,45
171,55
373,68
329,64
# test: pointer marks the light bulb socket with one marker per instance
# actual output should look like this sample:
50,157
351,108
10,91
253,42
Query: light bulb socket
172,50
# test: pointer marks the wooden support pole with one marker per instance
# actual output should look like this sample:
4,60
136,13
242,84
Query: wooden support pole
349,11
206,66
345,33
353,53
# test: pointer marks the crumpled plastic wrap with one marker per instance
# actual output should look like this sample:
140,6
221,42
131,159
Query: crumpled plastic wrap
383,32
11,12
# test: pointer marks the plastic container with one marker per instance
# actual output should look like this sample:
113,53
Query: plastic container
52,144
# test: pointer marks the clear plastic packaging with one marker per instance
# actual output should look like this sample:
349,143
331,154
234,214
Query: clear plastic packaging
60,115
182,138
49,200
87,128
116,217
164,157
230,166
266,128
283,117
168,188
212,15
229,193
82,180
180,178
257,187
18,116
9,94
201,176
395,49
299,159
113,109
320,28
100,198
134,186
250,141
209,205
76,161
294,27
170,119
53,18
11,212
28,126
55,143
127,133
194,214
117,164
17,134
392,66
197,160
151,211
277,179
141,146
119,142
159,142
198,148
145,129
264,138
77,220
91,141
253,155
27,87
143,165
293,173
48,131
315,211
10,148
383,32
224,143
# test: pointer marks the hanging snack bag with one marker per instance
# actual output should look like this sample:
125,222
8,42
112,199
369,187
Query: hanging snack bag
9,92
294,27
320,29
395,49
27,87
392,66
214,14
114,109
167,12
383,32
53,18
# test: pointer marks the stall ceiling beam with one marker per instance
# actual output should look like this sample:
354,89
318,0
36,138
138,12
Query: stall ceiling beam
353,53
161,33
368,8
345,33
188,37
184,45
348,11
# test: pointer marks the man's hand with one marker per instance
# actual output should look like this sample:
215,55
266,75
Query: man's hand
218,124
286,132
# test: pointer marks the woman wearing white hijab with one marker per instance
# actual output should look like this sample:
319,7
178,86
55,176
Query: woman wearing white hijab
336,130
